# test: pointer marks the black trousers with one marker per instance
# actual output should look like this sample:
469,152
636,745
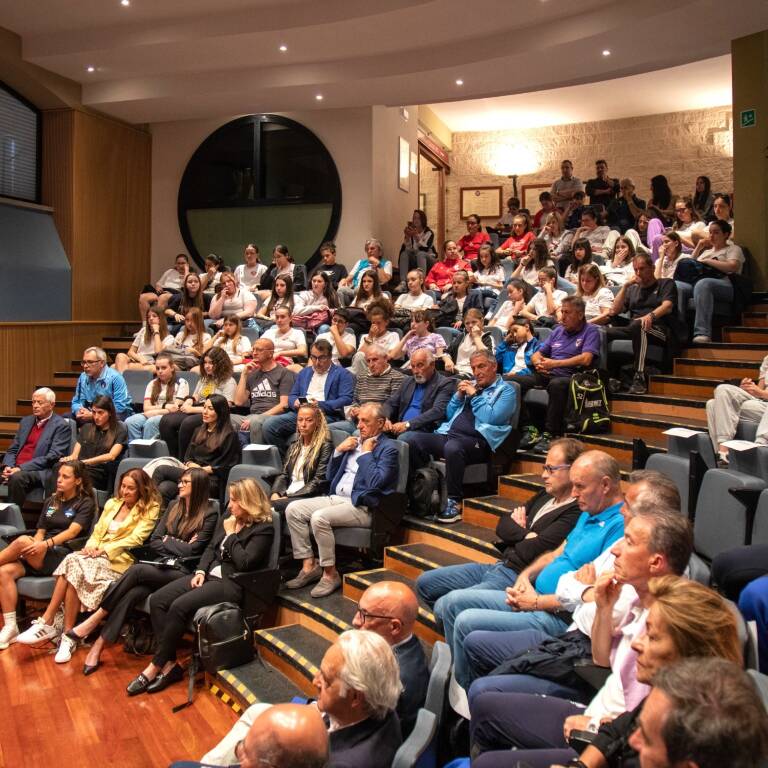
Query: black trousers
173,606
557,388
457,452
20,484
658,335
733,569
130,590
177,430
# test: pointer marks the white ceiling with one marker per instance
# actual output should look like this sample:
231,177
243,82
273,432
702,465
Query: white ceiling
162,60
691,86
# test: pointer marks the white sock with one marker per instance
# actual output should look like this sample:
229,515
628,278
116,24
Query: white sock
9,619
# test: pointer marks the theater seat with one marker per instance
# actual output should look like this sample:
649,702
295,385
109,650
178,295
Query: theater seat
418,750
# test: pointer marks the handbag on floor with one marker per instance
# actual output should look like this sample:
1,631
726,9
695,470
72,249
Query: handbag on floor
224,639
587,411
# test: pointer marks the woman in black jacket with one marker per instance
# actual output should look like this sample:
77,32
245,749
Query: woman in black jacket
242,542
178,540
306,465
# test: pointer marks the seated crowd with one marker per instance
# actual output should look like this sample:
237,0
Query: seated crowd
354,386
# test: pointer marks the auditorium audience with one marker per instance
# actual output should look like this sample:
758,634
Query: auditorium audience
363,470
514,353
420,336
314,307
328,266
191,341
373,261
457,358
595,234
97,379
378,315
469,244
214,267
512,306
602,190
241,542
670,255
249,273
290,343
439,277
41,440
181,536
619,266
477,424
536,258
231,340
623,210
282,266
84,576
280,296
233,299
415,297
597,298
191,296
564,188
457,300
368,291
418,248
487,274
65,515
519,241
170,282
340,337
100,443
544,306
703,199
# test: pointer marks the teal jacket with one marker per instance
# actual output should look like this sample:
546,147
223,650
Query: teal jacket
493,409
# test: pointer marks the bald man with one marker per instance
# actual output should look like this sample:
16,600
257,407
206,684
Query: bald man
389,609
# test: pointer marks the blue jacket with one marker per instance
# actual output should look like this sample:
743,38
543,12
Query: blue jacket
110,383
339,389
505,355
437,394
54,442
377,472
494,408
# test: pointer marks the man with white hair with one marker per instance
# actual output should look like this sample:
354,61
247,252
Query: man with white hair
97,379
358,686
42,439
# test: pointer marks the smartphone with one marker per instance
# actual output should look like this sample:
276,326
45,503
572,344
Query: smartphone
302,400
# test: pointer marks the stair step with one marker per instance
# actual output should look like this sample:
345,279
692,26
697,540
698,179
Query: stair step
740,334
24,407
411,560
726,351
327,617
486,510
618,446
682,386
471,541
724,369
651,428
356,583
657,405
295,651
10,423
253,683
756,319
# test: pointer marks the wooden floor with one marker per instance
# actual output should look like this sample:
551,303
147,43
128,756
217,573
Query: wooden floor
51,715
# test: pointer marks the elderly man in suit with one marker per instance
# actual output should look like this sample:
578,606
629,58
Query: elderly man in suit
363,470
420,403
43,438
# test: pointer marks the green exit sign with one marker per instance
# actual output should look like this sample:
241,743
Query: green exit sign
748,118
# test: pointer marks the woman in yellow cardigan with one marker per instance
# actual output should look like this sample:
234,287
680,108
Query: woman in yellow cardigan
83,577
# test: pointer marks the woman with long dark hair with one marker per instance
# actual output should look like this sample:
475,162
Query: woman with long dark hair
233,299
368,290
67,514
242,542
282,296
152,339
282,266
418,248
703,197
191,296
536,259
100,443
181,536
214,448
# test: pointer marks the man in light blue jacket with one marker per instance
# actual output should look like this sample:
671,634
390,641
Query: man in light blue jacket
477,423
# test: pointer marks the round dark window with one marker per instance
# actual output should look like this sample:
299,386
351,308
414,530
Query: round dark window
260,179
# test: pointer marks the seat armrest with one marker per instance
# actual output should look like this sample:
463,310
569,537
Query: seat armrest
260,589
9,537
143,552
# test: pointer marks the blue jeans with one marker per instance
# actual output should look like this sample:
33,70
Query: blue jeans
706,292
139,426
277,430
486,650
439,587
521,684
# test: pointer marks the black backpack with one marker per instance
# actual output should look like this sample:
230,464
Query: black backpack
587,411
424,492
223,636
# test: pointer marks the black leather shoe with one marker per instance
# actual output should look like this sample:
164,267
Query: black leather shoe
161,682
138,685
89,669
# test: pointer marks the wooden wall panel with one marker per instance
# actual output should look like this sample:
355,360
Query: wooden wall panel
112,199
31,352
57,171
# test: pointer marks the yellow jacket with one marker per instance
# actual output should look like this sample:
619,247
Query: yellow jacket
131,533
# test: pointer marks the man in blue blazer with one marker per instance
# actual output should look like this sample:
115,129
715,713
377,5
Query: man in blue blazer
43,438
363,470
322,382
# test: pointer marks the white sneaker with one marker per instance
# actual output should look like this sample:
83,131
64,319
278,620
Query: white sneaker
702,340
66,647
39,632
8,635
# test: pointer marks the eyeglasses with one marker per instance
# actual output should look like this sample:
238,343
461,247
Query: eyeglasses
317,358
185,482
552,468
86,363
365,615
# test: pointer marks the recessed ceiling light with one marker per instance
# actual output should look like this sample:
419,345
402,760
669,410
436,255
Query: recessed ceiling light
606,52
283,48
319,96
459,82
126,3
90,69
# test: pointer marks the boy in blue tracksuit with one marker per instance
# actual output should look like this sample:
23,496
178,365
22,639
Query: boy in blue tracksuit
514,353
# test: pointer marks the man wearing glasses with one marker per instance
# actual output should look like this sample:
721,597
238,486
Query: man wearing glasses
97,379
322,382
264,386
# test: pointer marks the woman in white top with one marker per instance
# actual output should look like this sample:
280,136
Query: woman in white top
415,298
688,225
289,342
368,291
581,254
598,299
169,283
282,296
321,296
670,254
149,341
282,266
342,340
474,339
544,307
487,273
214,268
512,307
229,339
164,394
192,338
552,231
233,299
529,265
619,268
250,273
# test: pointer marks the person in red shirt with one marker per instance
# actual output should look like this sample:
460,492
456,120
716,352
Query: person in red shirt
547,206
439,277
518,243
470,243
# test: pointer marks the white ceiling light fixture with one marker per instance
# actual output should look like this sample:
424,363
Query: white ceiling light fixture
125,3
90,69
283,48
459,82
606,52
319,96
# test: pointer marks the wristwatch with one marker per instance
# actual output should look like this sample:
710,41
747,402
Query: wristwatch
407,424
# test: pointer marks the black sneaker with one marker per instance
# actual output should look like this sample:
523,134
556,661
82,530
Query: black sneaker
530,438
542,446
638,385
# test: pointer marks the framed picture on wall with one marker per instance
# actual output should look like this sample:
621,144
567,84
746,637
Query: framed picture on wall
529,195
423,201
404,165
484,202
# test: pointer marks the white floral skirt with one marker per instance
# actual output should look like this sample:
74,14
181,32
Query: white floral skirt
90,576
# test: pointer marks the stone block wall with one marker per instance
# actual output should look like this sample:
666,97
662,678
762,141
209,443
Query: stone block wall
680,145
